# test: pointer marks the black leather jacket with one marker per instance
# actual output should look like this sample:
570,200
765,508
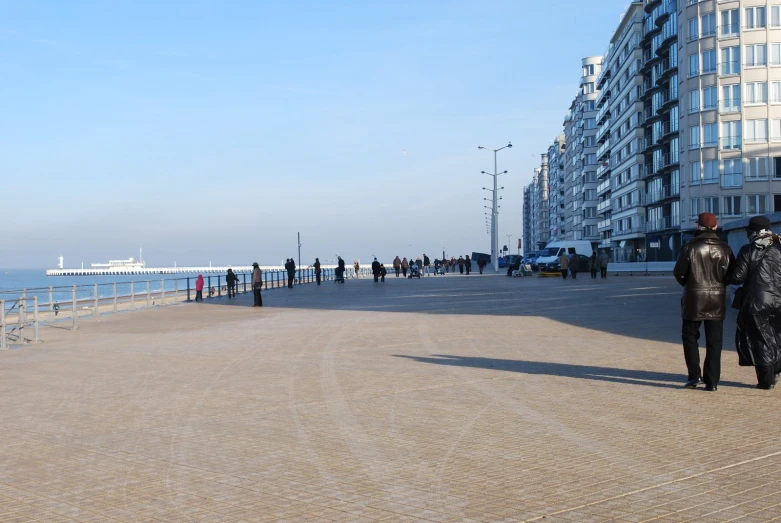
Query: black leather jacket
702,270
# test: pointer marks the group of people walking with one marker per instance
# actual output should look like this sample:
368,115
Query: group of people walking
704,268
596,263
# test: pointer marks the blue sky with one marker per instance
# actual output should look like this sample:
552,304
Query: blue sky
214,131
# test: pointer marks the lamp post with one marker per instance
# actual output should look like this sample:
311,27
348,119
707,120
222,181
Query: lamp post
494,211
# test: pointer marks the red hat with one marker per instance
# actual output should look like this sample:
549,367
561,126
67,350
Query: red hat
707,219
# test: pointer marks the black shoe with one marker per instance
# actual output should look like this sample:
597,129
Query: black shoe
692,384
766,388
710,388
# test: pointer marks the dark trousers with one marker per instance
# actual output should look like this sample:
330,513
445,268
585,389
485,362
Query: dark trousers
766,375
382,278
603,272
574,275
317,277
564,273
468,269
198,295
404,272
481,268
258,299
593,274
714,334
231,291
376,277
398,270
461,269
290,277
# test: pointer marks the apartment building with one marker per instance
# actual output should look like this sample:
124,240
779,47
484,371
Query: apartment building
557,207
527,220
621,139
731,109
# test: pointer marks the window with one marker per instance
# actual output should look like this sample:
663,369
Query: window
757,168
756,92
694,101
695,208
756,131
756,203
588,70
732,205
730,132
730,60
775,54
591,194
710,133
590,105
694,64
708,24
755,18
694,169
693,26
730,98
710,171
591,159
709,61
590,123
588,88
711,204
730,22
709,98
756,55
732,173
775,16
775,131
590,141
694,137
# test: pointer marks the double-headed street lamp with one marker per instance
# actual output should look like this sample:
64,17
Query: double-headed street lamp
495,211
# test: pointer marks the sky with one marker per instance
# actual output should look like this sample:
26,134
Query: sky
213,131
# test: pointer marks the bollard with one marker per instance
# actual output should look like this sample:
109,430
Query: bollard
148,296
188,288
36,331
51,304
132,296
97,310
3,340
162,292
75,312
244,278
115,297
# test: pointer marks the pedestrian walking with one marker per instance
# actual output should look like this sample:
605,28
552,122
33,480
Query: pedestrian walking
426,264
593,265
340,268
481,263
291,273
468,264
564,265
758,336
702,271
230,282
376,270
357,268
383,272
404,266
199,288
461,264
573,265
397,265
257,285
318,271
603,261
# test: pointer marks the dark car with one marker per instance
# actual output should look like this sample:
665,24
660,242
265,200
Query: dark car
583,261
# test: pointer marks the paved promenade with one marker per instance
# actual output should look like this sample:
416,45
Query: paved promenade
479,398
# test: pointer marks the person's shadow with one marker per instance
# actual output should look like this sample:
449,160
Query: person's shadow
586,372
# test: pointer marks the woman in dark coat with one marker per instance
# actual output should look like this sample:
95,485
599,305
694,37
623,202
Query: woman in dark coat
758,335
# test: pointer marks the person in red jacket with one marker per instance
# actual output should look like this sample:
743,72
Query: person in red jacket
199,288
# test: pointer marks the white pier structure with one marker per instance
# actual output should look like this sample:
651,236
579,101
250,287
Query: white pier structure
130,271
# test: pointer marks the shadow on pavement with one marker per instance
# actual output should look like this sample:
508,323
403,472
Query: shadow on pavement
586,372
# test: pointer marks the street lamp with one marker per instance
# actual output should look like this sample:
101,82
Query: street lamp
495,212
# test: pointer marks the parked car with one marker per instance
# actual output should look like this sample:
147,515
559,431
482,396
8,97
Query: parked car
583,261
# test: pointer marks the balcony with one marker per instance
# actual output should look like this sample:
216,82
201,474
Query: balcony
604,112
663,224
603,206
666,192
619,207
604,225
603,131
603,168
603,187
632,231
603,149
731,180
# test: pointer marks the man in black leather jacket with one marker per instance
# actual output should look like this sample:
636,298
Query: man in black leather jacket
702,270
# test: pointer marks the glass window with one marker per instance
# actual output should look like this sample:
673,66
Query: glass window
756,92
757,168
732,205
775,131
711,204
694,64
708,24
756,203
710,135
590,123
755,17
775,54
756,131
694,101
775,16
710,171
709,61
730,22
694,137
730,98
695,208
730,135
709,97
695,173
730,60
756,55
693,25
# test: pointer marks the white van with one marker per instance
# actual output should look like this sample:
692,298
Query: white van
552,251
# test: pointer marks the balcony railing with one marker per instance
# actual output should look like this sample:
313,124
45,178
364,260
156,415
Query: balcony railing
668,191
603,206
603,167
603,148
603,187
729,30
730,105
668,222
638,229
730,143
604,225
729,68
731,180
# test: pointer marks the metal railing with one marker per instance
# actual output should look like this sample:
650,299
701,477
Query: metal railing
24,311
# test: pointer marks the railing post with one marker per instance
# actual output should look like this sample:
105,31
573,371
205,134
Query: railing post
75,311
22,316
244,279
162,292
188,288
209,286
115,297
132,296
36,332
97,311
219,285
3,340
51,304
148,295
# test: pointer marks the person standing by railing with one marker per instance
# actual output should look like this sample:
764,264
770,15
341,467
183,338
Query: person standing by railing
317,270
376,270
230,280
291,272
357,267
257,284
199,288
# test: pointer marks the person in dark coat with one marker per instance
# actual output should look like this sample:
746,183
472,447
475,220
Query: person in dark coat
426,264
702,271
230,281
481,263
461,264
573,266
593,265
758,335
291,273
564,265
404,267
467,264
318,270
397,266
376,270
340,271
257,285
383,272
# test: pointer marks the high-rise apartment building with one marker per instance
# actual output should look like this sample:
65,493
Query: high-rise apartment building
557,205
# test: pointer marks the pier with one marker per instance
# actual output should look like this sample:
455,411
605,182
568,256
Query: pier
451,398
161,270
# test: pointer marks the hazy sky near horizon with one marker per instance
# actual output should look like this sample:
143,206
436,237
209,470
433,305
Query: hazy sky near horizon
215,131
